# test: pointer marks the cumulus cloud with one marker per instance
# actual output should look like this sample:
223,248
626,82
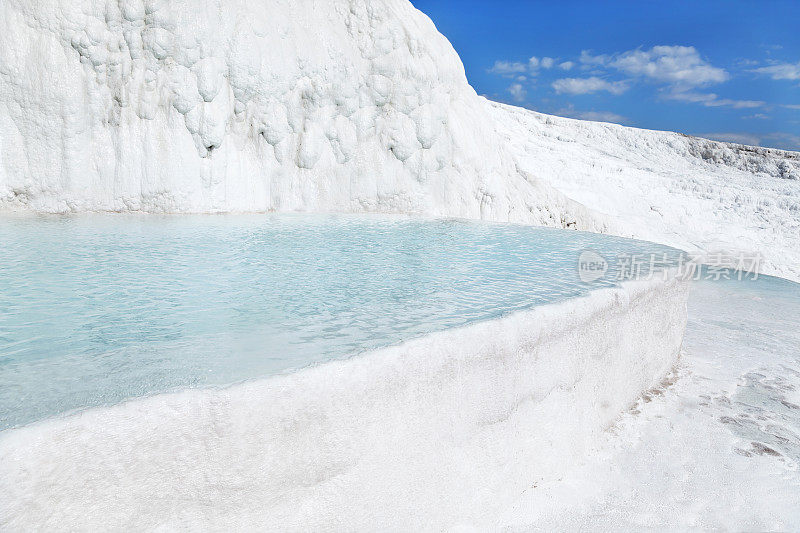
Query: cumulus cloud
507,68
518,92
781,71
512,69
679,66
536,63
680,70
680,73
588,86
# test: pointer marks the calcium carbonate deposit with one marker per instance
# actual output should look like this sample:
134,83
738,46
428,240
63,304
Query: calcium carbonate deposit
212,106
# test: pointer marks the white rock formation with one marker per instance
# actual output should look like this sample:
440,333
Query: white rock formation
212,106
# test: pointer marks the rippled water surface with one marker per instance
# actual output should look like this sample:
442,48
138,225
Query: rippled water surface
97,309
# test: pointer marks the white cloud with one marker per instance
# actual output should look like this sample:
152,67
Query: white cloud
588,86
791,106
679,66
781,71
588,59
712,100
738,138
516,69
535,63
756,116
596,116
507,68
785,141
736,104
518,92
566,65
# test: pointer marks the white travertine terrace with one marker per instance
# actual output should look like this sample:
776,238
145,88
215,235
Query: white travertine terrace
437,431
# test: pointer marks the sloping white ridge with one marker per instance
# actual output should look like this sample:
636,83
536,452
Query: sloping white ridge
703,196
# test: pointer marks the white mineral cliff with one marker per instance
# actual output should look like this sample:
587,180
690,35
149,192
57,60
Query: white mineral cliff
212,106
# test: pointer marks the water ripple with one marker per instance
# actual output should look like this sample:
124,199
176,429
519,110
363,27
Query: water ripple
96,309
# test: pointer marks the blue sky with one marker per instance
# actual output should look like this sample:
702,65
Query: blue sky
722,69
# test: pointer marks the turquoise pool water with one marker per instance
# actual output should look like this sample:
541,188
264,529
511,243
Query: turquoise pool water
97,309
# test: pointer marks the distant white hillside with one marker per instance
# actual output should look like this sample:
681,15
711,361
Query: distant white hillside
703,196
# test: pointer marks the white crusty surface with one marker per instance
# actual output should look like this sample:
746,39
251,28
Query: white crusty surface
719,200
436,432
217,106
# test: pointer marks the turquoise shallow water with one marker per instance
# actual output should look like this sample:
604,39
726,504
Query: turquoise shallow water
97,309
